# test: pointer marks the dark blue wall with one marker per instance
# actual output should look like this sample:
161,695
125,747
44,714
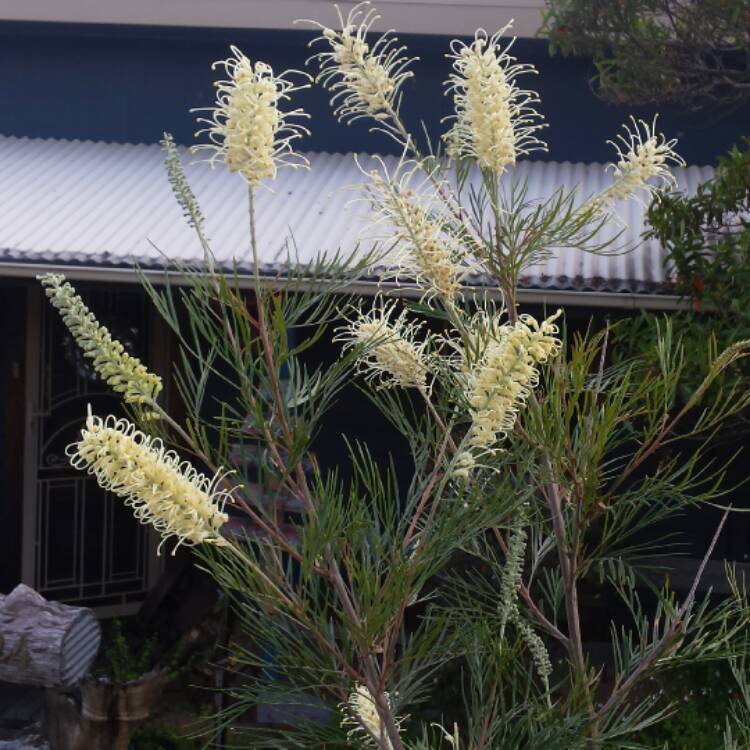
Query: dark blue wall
121,83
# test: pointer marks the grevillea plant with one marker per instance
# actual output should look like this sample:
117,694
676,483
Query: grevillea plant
536,468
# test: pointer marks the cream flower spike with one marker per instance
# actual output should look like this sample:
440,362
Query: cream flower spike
163,491
391,354
413,217
495,120
122,371
247,129
361,713
500,381
365,80
643,160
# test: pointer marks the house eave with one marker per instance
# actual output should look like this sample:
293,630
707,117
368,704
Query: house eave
443,17
364,287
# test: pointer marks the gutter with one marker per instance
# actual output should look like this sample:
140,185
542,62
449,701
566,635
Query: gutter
550,297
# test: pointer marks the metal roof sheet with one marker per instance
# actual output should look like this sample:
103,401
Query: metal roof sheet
83,203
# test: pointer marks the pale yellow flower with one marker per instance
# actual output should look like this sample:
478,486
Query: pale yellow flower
122,371
390,351
643,160
495,120
361,713
162,489
499,381
365,80
247,129
424,246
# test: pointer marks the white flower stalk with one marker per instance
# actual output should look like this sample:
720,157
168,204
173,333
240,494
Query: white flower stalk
163,491
122,371
247,129
538,650
495,120
425,248
365,80
361,713
512,573
391,354
643,160
500,381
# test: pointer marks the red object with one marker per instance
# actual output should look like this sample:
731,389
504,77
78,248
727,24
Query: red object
699,287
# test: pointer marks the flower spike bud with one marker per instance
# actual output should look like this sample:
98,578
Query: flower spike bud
390,353
162,490
425,248
247,129
122,371
495,120
180,187
500,381
643,160
364,79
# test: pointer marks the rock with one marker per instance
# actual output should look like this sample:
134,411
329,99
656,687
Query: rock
27,742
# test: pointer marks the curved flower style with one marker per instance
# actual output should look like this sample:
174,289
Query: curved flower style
495,120
247,130
390,353
125,373
361,713
365,81
425,247
501,380
162,490
643,159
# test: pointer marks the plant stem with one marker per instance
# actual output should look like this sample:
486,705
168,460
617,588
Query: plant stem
567,568
678,623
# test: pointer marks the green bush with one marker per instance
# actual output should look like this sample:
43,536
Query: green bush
162,737
702,696
120,660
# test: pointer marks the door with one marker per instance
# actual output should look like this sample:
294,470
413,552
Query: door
81,545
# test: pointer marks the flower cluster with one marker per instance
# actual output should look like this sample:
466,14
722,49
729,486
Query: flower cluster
425,247
247,130
124,372
643,159
361,713
495,120
162,490
390,352
501,379
365,80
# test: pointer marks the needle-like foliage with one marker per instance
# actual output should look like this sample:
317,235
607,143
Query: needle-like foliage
535,472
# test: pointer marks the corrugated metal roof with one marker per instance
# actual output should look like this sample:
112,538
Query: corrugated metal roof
84,203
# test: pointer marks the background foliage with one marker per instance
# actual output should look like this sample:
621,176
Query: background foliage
693,53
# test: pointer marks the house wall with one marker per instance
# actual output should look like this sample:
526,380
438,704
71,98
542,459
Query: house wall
352,414
129,83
